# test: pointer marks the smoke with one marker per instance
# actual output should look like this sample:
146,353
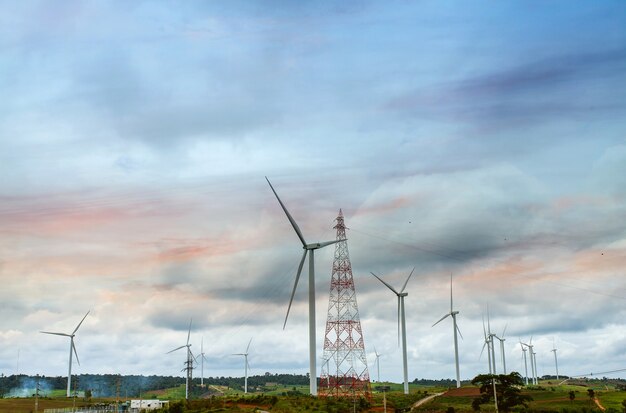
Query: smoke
28,387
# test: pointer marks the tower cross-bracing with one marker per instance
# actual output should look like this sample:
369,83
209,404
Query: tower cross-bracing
344,365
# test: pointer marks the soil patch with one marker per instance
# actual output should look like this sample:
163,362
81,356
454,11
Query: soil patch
463,392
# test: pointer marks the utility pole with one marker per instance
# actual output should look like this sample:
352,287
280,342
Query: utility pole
37,394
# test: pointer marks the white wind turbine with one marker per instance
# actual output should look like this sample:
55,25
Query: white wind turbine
533,365
377,365
503,356
202,359
246,366
487,343
308,249
401,320
72,349
455,329
525,362
188,363
556,363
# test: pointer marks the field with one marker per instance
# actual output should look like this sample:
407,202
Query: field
547,397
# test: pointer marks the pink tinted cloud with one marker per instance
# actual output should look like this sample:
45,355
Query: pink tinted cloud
74,212
394,204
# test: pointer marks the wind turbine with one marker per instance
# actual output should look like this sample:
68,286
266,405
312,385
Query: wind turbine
455,329
503,356
533,366
72,349
377,365
487,343
308,249
556,364
202,358
525,362
491,342
246,366
401,319
188,363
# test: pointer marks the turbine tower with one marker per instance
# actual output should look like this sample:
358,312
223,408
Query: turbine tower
344,366
401,320
72,349
245,366
455,329
188,364
556,363
310,250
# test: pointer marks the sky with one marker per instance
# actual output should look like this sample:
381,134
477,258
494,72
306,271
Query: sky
481,139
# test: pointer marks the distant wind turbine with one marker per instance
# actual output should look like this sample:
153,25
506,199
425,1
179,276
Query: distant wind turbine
377,365
189,363
246,366
310,250
556,363
533,365
488,339
525,361
202,359
401,320
455,329
72,349
502,354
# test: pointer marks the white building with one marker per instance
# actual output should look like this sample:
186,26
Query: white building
137,405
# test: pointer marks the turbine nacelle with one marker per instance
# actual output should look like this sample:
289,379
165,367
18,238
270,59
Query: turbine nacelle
318,245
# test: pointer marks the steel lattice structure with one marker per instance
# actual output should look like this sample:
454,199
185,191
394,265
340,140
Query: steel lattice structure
344,366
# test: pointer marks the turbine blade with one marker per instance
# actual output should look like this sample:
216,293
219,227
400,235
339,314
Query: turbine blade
375,352
81,321
75,353
407,280
481,351
177,348
289,217
189,332
484,331
451,292
202,346
388,286
295,285
504,331
459,331
441,319
327,243
248,348
237,354
56,334
398,321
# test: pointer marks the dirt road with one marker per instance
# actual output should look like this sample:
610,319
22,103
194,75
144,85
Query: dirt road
425,400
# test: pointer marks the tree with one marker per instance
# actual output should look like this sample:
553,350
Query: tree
507,391
572,395
624,404
591,394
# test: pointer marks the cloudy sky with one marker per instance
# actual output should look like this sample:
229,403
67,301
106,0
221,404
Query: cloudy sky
486,140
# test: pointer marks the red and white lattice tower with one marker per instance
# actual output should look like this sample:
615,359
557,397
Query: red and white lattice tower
344,365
